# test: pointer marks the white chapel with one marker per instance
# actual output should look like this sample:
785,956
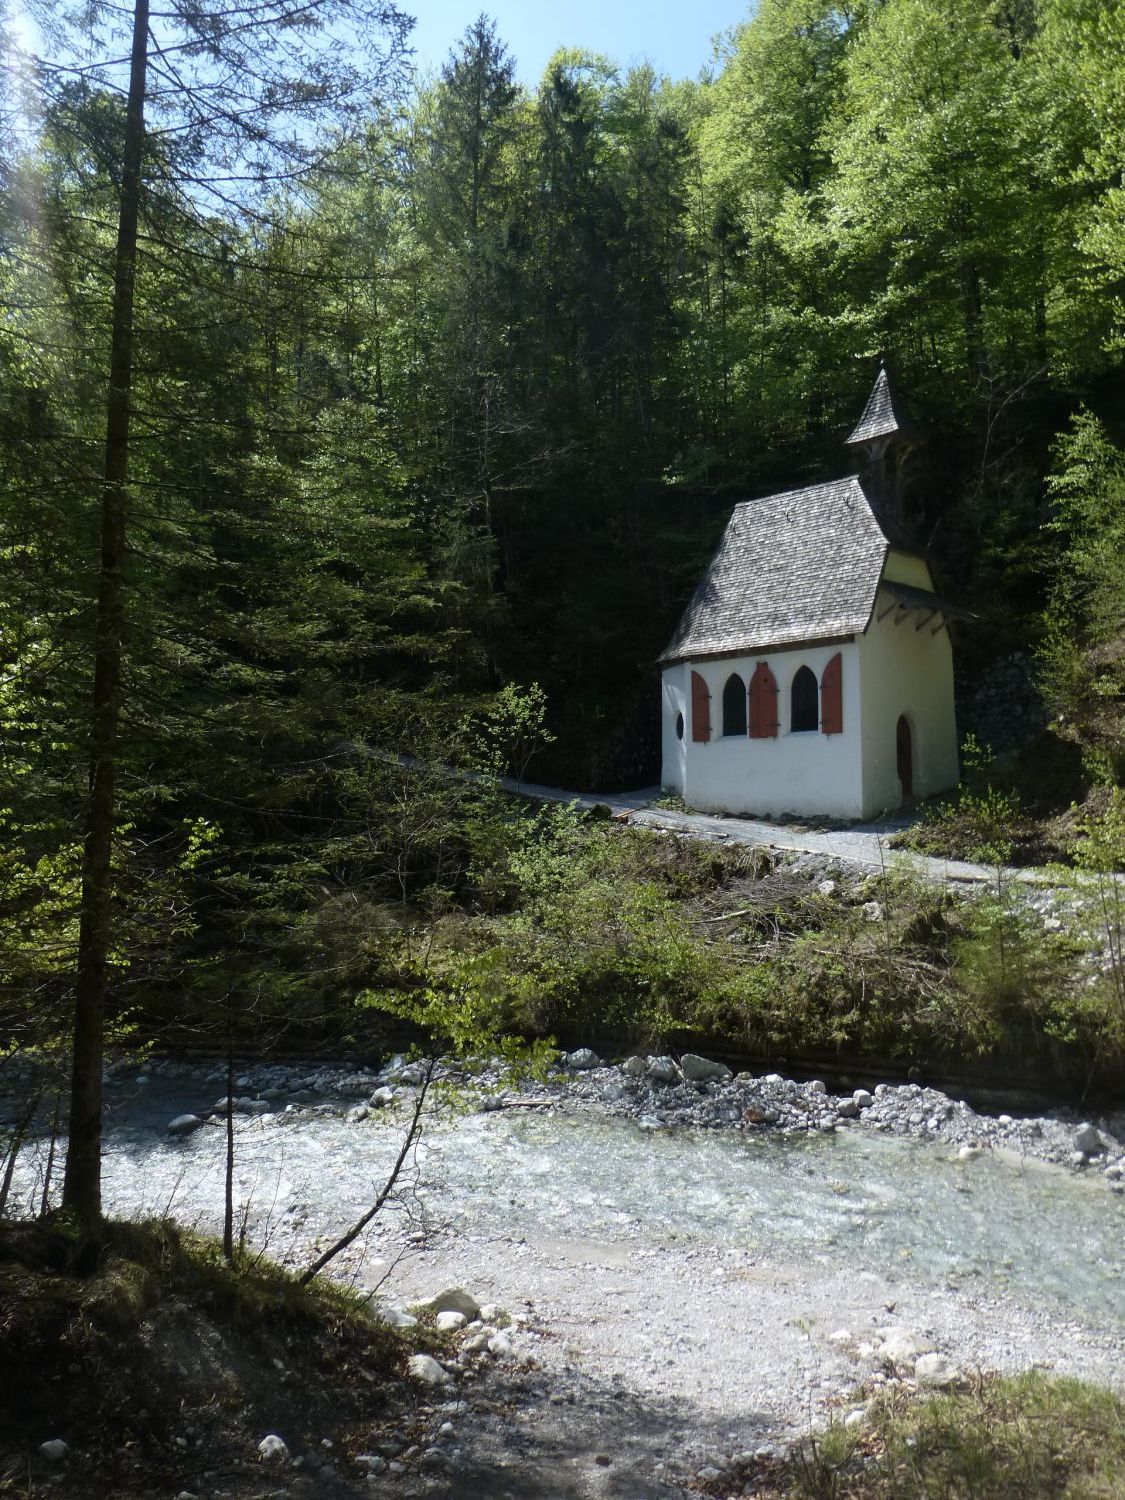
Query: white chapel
812,671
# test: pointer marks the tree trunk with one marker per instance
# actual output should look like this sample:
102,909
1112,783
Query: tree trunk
82,1182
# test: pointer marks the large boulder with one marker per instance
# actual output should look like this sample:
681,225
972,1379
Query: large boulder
184,1124
663,1070
273,1449
698,1069
582,1060
453,1299
426,1370
936,1370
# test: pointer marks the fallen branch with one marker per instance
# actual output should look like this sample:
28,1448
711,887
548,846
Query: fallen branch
490,1109
361,1223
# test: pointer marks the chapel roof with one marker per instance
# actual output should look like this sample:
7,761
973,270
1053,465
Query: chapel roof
882,417
792,568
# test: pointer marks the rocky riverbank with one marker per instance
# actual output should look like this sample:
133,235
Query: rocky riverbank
662,1092
699,1267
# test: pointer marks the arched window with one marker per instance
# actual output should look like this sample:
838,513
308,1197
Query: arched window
803,702
734,705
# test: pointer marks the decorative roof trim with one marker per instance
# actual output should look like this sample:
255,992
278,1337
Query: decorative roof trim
809,645
912,597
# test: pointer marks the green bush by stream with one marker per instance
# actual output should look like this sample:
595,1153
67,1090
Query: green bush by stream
590,929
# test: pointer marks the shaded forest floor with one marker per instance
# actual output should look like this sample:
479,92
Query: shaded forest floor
162,1370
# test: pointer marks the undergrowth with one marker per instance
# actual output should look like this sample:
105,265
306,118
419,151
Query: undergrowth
141,1340
1030,1437
593,930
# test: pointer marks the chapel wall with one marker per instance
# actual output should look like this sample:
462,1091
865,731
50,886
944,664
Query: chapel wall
804,773
909,671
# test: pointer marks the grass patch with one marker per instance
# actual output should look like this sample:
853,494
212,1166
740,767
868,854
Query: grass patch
156,1361
1029,1437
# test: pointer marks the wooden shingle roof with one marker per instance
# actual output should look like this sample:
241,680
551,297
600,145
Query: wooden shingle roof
882,417
790,569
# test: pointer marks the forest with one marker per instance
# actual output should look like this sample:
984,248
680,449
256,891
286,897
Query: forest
396,436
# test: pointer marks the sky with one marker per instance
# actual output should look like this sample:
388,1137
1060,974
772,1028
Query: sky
674,36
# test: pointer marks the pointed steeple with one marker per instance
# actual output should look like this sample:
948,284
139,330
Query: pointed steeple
885,436
883,422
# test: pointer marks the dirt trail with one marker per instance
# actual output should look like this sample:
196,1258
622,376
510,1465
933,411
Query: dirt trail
864,844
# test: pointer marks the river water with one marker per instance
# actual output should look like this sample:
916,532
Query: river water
854,1201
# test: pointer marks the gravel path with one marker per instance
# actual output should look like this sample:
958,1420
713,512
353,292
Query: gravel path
863,844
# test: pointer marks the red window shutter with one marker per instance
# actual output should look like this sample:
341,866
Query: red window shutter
700,710
763,703
832,697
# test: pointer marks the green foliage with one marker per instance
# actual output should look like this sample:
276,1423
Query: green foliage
1083,654
978,822
1024,1437
468,413
511,730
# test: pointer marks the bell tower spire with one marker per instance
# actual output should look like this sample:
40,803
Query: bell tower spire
884,436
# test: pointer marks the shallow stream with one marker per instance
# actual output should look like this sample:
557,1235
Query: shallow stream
853,1201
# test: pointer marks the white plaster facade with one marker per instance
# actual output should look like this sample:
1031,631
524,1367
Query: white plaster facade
901,665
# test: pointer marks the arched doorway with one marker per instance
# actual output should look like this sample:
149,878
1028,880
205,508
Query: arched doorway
904,756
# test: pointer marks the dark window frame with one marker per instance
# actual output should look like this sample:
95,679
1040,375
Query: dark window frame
734,707
804,702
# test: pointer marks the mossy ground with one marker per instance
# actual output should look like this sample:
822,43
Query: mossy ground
1031,1437
156,1362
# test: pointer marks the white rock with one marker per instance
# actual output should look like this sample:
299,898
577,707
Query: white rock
663,1070
863,1098
425,1370
636,1067
900,1345
873,911
1087,1140
273,1450
357,1115
582,1060
450,1322
54,1449
817,1087
490,1312
698,1069
500,1345
184,1124
1004,1120
382,1098
847,1109
773,1078
936,1370
374,1463
841,1338
453,1299
397,1318
967,1153
826,888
